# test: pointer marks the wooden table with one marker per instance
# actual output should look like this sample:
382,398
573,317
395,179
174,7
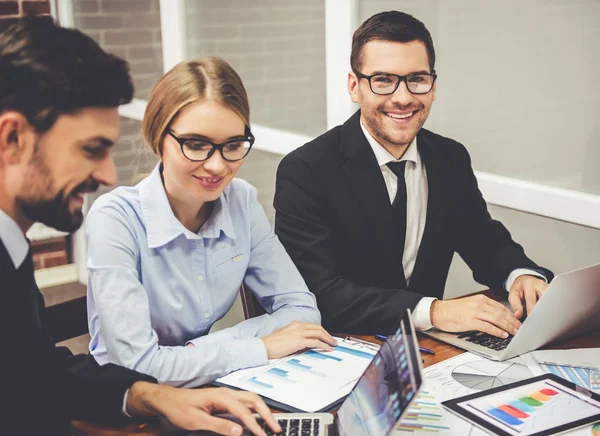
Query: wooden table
442,352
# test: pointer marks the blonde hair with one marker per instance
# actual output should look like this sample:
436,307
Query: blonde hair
189,82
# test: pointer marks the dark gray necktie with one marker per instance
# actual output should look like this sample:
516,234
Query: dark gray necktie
399,203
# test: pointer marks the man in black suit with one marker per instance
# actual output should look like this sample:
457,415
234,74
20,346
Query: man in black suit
373,211
59,94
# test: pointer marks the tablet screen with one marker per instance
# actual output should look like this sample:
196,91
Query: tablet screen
534,406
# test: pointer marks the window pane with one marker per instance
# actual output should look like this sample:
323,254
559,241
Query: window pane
277,47
506,87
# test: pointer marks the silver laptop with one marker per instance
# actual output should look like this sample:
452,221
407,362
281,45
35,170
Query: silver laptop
570,306
378,399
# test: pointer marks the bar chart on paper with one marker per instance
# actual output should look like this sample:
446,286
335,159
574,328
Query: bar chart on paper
588,378
308,381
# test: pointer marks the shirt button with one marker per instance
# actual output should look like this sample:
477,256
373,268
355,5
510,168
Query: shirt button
206,316
200,278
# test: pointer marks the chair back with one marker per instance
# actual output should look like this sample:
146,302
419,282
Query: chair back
250,304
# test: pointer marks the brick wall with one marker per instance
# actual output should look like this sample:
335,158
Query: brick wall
129,29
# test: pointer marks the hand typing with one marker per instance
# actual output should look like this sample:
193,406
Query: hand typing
192,409
528,289
474,313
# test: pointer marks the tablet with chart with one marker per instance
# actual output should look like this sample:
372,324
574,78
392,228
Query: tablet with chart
541,405
311,381
452,378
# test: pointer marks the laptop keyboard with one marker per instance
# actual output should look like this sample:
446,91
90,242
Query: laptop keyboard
295,427
485,340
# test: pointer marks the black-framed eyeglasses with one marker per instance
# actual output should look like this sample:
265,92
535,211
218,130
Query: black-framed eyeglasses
387,83
199,149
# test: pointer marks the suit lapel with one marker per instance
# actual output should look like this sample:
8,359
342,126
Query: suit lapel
366,181
435,207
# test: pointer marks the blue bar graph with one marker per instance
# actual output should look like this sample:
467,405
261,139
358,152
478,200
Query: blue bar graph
297,363
279,372
321,356
522,406
259,383
357,353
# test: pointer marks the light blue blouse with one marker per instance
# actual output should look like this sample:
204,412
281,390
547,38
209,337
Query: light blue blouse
153,285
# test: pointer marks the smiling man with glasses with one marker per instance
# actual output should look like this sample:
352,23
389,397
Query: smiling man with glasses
373,211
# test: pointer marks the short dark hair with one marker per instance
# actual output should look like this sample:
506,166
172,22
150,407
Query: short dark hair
390,26
47,70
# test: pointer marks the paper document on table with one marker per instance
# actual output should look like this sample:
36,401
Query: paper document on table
309,381
581,357
452,378
588,378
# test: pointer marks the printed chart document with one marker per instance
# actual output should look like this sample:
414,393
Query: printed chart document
310,381
580,357
560,365
443,381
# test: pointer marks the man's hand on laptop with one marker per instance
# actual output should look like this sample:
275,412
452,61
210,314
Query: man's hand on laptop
474,313
192,409
527,289
297,336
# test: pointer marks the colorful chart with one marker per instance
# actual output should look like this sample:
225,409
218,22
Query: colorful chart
484,374
425,414
517,411
596,429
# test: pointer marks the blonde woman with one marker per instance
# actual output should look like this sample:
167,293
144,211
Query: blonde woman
167,257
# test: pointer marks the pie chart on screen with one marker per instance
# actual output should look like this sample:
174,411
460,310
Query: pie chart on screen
486,374
596,429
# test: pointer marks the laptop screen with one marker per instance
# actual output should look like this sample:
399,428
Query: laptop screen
386,387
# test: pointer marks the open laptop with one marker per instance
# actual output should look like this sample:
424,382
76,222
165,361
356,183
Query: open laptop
377,401
570,305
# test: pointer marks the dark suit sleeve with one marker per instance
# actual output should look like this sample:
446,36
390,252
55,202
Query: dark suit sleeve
97,392
484,243
302,227
47,385
92,392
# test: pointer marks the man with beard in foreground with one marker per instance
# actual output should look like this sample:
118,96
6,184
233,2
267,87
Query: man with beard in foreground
59,94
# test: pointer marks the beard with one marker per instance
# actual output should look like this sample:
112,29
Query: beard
38,204
386,134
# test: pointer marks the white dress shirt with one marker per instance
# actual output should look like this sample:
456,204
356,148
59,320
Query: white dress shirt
415,176
154,286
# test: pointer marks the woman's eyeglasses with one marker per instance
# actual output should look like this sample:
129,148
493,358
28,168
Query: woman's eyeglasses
200,149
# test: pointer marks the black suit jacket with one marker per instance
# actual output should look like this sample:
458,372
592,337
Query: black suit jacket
333,216
43,386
